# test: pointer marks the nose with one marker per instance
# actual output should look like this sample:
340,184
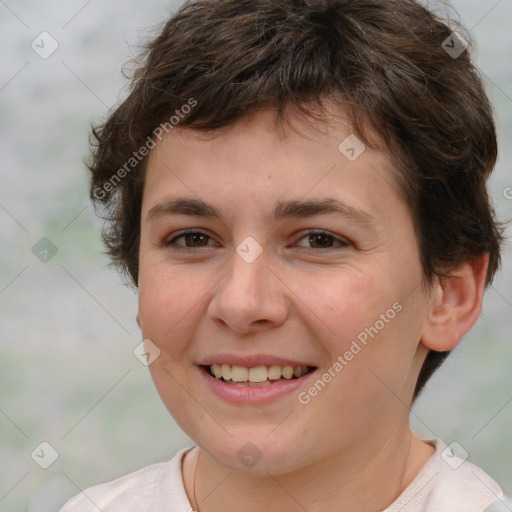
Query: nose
250,298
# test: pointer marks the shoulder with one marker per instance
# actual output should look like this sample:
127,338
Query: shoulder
463,485
448,483
140,491
503,504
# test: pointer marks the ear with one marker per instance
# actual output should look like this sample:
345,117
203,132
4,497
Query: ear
456,303
138,321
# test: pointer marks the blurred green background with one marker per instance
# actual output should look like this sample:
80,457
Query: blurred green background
67,327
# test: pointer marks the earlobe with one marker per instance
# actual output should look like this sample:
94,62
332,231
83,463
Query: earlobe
455,305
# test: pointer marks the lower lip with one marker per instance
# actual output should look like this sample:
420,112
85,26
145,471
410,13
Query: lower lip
252,394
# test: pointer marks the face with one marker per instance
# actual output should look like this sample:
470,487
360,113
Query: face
262,251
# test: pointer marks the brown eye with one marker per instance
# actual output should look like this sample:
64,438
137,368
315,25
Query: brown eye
320,240
192,239
323,240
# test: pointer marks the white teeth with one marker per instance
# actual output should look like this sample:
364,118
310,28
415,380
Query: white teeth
287,372
226,372
257,374
239,373
216,370
274,372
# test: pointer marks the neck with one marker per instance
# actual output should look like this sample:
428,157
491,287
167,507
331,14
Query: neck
366,476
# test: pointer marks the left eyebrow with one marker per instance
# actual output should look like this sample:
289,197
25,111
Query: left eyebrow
284,209
309,208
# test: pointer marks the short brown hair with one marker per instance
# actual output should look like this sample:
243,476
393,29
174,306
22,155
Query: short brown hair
383,62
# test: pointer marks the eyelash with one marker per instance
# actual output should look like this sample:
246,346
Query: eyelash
342,242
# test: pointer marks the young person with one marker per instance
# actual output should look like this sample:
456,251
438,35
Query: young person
297,189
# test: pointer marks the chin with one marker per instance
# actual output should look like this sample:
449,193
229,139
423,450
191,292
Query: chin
257,456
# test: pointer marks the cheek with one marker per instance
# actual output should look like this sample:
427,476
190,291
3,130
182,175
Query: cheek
371,329
344,303
169,303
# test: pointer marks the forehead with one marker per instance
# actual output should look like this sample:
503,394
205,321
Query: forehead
254,163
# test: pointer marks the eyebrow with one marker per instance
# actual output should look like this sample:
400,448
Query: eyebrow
284,209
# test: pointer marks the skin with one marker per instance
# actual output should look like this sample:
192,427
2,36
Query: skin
297,299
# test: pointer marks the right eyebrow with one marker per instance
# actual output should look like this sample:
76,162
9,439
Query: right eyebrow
183,206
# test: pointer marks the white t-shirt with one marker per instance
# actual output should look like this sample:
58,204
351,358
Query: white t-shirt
445,484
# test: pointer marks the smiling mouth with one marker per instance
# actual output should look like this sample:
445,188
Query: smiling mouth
257,375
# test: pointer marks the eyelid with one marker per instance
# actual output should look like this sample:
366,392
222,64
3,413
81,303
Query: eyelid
343,242
170,240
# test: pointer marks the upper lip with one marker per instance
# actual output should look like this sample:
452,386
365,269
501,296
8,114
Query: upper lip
251,360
